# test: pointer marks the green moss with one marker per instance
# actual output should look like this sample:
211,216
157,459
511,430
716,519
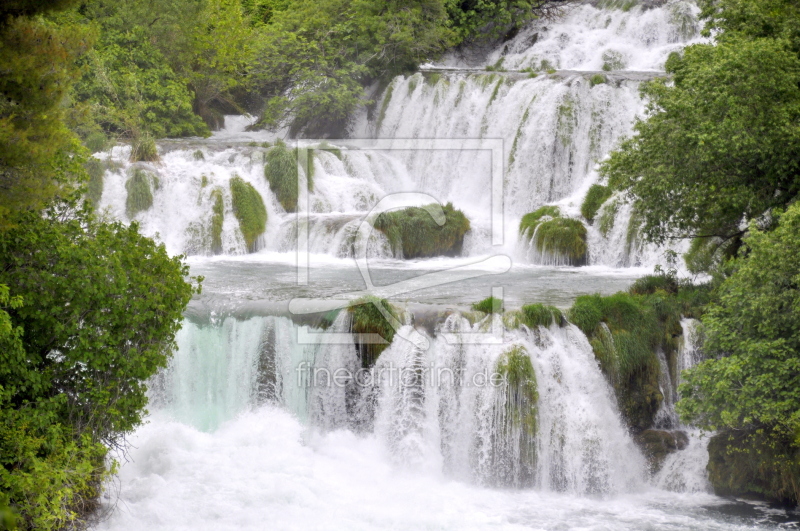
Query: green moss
413,81
567,120
489,305
248,207
514,445
217,219
433,78
497,67
281,173
513,155
198,155
546,66
330,149
613,60
96,142
203,181
650,284
595,197
413,233
140,192
96,170
531,220
144,149
495,91
384,105
534,315
368,319
608,216
597,79
562,237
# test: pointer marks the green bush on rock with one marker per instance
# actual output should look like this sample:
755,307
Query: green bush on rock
140,192
144,149
595,197
414,233
249,209
531,220
366,318
489,305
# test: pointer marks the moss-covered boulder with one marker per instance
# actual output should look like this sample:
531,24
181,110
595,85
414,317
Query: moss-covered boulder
489,305
514,444
366,318
140,188
656,445
249,209
413,233
595,197
217,219
281,173
564,239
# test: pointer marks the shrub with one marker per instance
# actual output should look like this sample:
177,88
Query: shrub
368,319
140,193
198,155
613,60
489,305
595,197
534,315
413,232
144,149
249,209
96,142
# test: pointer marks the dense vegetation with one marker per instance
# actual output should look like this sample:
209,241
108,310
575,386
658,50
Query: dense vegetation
414,232
717,160
561,239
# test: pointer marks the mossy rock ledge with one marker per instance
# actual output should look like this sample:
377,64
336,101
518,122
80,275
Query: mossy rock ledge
563,239
658,444
366,318
413,233
140,187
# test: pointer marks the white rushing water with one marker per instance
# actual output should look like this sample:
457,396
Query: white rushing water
248,427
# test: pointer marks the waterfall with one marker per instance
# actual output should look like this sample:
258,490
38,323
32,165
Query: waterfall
538,93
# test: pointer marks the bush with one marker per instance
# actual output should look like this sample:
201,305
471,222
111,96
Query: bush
368,319
140,194
562,237
595,197
217,219
413,232
613,60
489,305
96,142
534,315
144,149
249,209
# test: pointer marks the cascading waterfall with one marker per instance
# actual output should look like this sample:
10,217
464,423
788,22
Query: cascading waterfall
554,127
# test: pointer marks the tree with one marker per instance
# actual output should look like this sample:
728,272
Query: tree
749,389
39,156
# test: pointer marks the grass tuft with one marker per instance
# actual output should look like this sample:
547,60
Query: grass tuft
413,233
140,192
249,209
489,305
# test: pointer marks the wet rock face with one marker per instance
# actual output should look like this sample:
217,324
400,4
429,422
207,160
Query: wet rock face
658,444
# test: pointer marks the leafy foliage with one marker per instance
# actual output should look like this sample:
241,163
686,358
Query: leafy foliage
489,305
249,209
414,232
595,197
750,386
